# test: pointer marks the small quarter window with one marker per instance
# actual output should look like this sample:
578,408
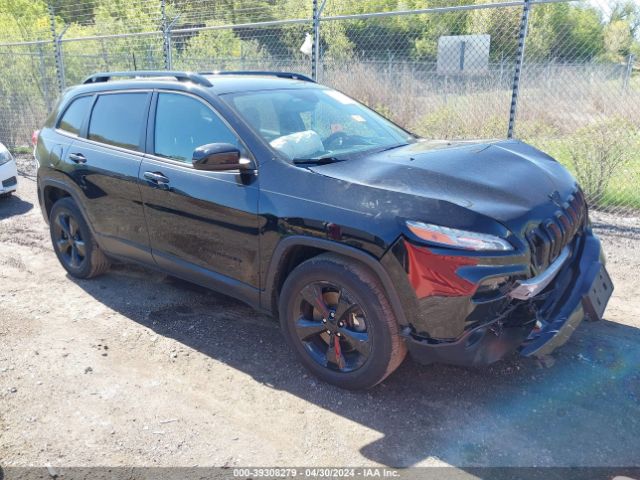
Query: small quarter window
75,114
117,119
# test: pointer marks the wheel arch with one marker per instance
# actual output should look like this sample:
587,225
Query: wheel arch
50,195
295,249
51,190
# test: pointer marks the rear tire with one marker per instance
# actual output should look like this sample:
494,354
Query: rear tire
73,242
363,324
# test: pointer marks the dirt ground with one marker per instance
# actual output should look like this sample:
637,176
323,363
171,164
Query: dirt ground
138,369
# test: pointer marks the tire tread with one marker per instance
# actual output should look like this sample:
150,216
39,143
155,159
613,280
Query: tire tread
398,347
98,261
367,280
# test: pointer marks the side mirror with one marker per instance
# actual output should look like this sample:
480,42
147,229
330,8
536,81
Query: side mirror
218,157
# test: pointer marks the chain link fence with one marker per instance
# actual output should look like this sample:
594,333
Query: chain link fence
558,74
582,105
443,74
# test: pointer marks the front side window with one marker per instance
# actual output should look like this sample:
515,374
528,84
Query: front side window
183,124
316,122
75,114
118,119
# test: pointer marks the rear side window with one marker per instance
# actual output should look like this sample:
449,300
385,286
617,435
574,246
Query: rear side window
75,114
117,119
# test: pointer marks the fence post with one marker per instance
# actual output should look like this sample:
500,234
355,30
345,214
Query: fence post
522,36
43,76
627,73
57,45
166,37
316,41
315,51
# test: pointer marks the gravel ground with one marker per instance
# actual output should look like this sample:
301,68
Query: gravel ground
136,368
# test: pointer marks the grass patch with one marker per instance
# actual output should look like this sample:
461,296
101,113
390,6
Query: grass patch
605,163
21,150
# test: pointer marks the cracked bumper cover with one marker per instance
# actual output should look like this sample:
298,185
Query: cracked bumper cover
565,316
562,310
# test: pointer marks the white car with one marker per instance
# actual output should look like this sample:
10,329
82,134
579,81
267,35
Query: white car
8,172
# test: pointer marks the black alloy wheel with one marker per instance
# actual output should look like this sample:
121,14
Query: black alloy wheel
68,240
337,318
73,241
332,327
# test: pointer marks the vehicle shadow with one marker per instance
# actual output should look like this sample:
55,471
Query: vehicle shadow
13,205
621,231
579,408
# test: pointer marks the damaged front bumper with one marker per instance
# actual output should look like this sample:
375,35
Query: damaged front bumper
587,289
539,314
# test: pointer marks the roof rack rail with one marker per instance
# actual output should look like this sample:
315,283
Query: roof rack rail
291,75
180,76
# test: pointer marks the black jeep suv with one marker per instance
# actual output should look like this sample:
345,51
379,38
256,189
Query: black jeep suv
364,240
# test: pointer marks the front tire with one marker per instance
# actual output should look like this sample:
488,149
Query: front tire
336,316
73,242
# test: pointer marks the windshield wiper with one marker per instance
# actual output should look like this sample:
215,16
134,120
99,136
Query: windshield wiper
316,161
392,147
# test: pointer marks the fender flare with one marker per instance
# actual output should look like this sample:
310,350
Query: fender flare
52,182
330,246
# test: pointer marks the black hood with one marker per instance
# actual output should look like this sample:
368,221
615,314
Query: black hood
504,180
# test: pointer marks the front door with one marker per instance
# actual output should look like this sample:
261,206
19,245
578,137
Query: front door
202,225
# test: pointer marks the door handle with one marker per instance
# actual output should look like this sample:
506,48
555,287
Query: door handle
77,158
156,177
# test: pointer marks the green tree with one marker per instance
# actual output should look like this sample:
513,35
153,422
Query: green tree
22,20
565,32
618,40
629,11
217,50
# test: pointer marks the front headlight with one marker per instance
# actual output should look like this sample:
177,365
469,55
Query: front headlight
454,238
5,155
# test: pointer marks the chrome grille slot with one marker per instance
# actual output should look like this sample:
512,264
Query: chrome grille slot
547,240
556,239
565,226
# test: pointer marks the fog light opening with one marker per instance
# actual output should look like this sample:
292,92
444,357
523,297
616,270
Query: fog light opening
493,287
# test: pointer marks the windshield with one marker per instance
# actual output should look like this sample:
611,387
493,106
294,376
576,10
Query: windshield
316,123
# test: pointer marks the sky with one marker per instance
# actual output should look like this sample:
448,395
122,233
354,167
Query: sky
605,5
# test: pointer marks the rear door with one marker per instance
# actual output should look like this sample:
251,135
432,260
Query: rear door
105,162
203,225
